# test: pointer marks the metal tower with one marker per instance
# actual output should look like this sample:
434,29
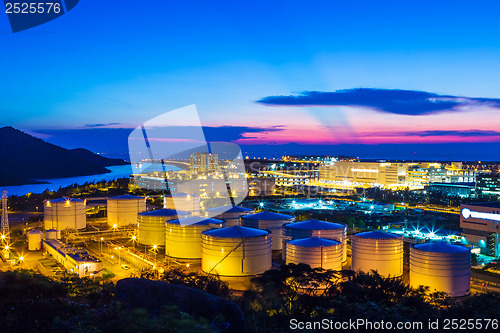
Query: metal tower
5,219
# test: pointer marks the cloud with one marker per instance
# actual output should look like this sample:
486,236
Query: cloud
466,133
396,101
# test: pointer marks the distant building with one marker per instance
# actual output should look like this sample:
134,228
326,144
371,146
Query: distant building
463,190
204,162
480,226
385,174
261,186
488,185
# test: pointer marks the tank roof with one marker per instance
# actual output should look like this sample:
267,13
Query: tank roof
236,232
229,209
314,242
126,197
377,235
63,199
441,247
164,212
268,216
195,220
315,225
34,232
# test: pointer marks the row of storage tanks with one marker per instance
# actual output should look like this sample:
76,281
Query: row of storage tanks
70,213
246,249
240,243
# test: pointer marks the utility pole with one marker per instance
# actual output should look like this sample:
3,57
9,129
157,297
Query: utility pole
5,219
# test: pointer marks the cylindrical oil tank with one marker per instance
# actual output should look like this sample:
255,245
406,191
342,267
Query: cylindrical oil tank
229,214
316,252
65,213
183,236
236,251
315,228
34,240
151,225
268,221
183,201
52,234
442,267
123,210
378,251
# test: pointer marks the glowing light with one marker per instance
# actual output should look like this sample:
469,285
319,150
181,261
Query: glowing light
187,265
2,237
21,258
115,226
155,246
134,238
6,247
261,204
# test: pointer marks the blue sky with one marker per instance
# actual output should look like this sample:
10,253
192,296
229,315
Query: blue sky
124,62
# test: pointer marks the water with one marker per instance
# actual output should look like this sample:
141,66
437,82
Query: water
119,171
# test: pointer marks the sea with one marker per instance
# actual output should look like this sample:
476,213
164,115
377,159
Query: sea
119,171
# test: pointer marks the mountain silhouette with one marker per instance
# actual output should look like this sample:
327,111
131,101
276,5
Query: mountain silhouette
26,159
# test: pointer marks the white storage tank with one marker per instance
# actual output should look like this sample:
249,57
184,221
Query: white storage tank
35,240
151,225
316,252
123,210
52,234
183,236
268,221
65,213
442,267
229,214
183,201
236,251
315,228
378,251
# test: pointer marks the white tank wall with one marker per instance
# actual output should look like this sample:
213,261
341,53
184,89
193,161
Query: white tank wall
124,212
326,257
335,234
151,229
52,234
274,226
184,242
382,255
446,272
247,256
65,215
34,240
188,203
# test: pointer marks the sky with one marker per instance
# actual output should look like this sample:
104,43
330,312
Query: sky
391,79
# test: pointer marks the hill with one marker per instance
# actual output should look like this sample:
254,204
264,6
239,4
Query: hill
26,159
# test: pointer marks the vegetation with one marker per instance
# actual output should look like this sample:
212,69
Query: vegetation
34,303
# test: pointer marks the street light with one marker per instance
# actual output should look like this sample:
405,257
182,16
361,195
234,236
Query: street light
133,240
155,247
21,259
